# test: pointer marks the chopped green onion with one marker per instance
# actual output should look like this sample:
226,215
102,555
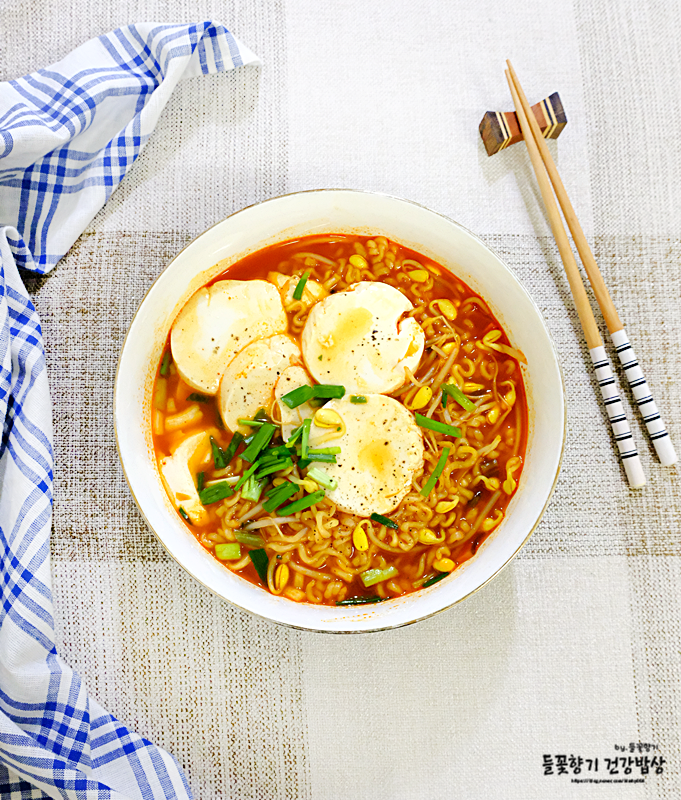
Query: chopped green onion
200,481
320,477
295,435
307,424
249,539
453,391
300,286
246,476
233,445
298,396
435,579
284,463
438,427
328,391
372,576
230,551
439,467
260,440
360,601
195,397
218,491
161,394
328,458
183,513
252,489
357,398
302,504
219,421
219,456
165,364
324,451
260,562
262,415
384,521
251,423
280,494
304,462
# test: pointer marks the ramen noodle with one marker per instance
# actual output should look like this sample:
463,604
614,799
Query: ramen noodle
339,420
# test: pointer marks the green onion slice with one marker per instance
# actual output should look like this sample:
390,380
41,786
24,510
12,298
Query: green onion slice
439,467
252,489
260,441
358,398
359,601
324,451
230,551
320,477
200,481
250,471
328,391
438,427
260,562
372,576
219,456
322,391
249,539
453,391
280,494
302,504
435,579
218,491
384,521
307,424
165,364
328,458
300,286
183,513
298,396
195,397
233,445
250,423
293,438
270,468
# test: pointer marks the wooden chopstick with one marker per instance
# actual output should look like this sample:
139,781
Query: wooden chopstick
633,372
611,399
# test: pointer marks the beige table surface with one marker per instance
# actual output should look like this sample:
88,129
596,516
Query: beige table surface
574,649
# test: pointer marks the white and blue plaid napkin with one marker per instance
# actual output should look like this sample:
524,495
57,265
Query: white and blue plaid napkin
68,135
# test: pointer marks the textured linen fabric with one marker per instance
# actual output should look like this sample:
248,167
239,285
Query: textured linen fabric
69,132
573,648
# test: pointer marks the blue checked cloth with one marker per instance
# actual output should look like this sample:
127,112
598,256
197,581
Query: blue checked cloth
68,135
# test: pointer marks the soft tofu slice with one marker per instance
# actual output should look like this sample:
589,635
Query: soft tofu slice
249,381
291,418
178,473
313,291
381,451
358,338
217,322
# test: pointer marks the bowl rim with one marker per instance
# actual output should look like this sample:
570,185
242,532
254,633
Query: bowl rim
393,626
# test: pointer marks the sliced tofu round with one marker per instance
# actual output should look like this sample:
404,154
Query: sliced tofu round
178,471
381,451
217,322
291,418
359,339
313,291
249,380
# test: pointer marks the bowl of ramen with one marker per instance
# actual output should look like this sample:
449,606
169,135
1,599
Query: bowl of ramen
339,411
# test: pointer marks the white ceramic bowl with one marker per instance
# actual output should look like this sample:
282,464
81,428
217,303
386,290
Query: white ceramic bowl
340,211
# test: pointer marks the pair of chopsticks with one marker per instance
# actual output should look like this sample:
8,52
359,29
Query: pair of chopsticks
545,169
